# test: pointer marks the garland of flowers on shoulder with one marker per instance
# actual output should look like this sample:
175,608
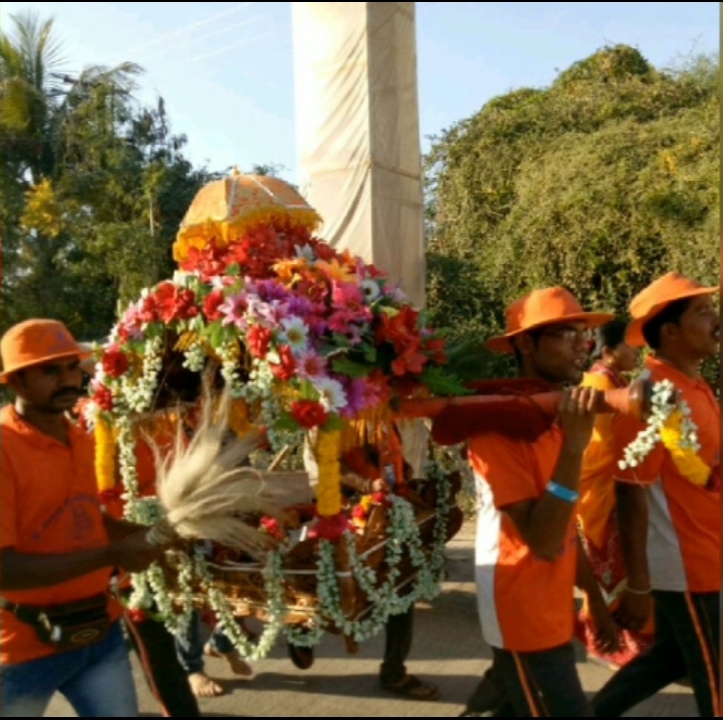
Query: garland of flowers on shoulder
670,424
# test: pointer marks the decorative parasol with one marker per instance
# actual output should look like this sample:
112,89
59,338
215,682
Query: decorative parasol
238,204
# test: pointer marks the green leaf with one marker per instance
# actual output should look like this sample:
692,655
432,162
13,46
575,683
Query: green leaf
370,353
333,423
442,383
233,269
286,422
215,333
307,391
344,366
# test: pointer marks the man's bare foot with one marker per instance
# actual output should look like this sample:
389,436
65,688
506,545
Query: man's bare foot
237,664
203,687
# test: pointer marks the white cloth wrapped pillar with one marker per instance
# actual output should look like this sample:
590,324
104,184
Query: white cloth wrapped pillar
357,118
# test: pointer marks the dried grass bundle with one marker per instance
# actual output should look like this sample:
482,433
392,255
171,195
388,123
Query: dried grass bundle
205,491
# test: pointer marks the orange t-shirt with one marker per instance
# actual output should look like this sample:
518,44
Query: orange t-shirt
683,519
525,603
48,505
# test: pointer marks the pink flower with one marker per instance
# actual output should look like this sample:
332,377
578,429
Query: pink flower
234,309
310,365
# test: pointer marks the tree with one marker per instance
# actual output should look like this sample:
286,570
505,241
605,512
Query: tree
94,186
601,182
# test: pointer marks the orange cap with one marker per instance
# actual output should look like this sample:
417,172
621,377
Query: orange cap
34,342
653,299
543,307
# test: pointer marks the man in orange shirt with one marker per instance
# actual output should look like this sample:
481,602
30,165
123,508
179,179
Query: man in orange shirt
527,549
60,630
670,526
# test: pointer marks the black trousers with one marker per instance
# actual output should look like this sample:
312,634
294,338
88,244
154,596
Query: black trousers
156,649
686,644
398,643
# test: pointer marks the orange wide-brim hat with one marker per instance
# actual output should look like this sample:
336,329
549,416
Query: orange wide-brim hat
543,307
654,298
35,342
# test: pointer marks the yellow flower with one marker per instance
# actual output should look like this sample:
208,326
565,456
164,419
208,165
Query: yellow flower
42,210
104,455
328,492
686,460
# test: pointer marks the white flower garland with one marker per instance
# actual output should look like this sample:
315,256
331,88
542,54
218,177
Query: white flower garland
663,404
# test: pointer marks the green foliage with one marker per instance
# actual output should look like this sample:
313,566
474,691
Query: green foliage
602,182
93,186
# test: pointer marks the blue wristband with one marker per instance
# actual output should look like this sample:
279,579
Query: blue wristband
562,493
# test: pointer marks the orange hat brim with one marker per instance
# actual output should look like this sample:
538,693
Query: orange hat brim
502,344
634,332
80,354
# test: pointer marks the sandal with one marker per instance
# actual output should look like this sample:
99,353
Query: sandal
413,688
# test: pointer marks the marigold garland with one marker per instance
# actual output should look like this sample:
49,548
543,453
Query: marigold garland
686,460
328,446
223,232
105,444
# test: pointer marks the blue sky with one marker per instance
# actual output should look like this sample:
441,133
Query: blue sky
225,68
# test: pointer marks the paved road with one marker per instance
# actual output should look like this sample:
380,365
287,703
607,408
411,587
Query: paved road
448,649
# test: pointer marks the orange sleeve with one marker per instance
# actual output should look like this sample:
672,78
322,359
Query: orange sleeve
8,492
507,465
625,430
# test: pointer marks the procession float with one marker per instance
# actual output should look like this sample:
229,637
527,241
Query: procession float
254,379
268,345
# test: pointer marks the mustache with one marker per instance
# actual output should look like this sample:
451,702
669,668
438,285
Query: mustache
66,392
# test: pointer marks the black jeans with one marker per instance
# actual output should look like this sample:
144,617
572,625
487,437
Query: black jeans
540,684
686,644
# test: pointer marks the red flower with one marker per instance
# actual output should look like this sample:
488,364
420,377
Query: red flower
435,350
309,413
286,370
272,527
400,330
103,398
211,303
258,340
175,303
115,362
208,262
409,361
330,528
359,513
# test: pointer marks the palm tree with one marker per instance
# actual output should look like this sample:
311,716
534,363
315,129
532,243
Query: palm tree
38,97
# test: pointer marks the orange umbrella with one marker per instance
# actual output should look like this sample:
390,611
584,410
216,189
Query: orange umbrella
228,208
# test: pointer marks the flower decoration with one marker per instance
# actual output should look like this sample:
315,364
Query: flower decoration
309,338
671,425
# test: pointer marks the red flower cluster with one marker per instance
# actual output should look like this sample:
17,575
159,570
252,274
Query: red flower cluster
287,368
402,332
330,528
114,361
211,304
309,413
258,339
103,398
255,252
168,303
272,527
